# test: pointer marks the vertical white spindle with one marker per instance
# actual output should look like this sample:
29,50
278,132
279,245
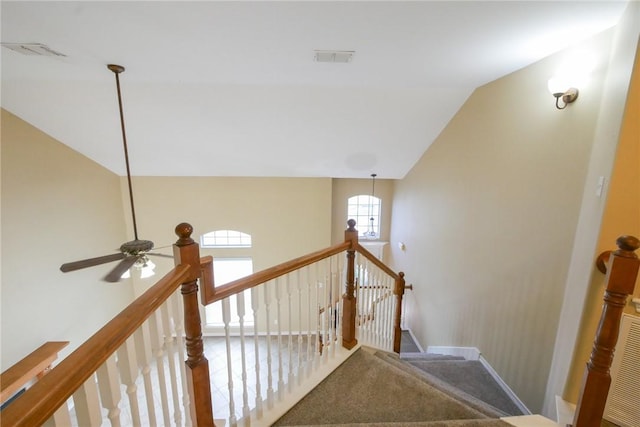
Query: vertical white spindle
143,352
181,347
267,305
171,357
128,367
300,327
255,306
109,387
60,418
290,379
245,395
157,347
311,308
318,315
86,404
226,319
279,324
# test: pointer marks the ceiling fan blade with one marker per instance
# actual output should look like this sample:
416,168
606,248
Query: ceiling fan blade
116,274
159,254
77,265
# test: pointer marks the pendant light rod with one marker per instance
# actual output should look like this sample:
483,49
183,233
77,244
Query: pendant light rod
117,69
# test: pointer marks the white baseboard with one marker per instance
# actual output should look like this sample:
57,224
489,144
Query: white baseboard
564,411
472,353
469,353
415,340
523,408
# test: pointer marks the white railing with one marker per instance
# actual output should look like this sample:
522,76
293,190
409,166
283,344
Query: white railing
142,384
376,305
291,338
135,370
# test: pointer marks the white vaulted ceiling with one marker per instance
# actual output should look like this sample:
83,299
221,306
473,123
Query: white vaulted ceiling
216,88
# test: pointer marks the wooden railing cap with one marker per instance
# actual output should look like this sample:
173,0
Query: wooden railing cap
183,231
627,245
352,225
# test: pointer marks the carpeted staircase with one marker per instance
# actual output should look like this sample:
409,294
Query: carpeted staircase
375,388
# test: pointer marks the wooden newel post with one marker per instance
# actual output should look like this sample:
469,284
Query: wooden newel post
397,331
186,251
621,277
349,299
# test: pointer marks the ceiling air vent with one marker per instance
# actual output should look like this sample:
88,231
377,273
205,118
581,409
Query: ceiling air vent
342,56
37,49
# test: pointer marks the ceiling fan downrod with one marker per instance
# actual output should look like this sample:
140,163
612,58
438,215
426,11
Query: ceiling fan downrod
117,69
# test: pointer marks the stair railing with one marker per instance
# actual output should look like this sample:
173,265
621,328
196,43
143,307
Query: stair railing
300,314
622,271
301,326
141,345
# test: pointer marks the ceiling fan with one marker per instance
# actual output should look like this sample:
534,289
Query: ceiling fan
131,253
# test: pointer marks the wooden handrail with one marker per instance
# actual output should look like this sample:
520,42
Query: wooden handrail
622,271
35,365
371,257
263,276
38,403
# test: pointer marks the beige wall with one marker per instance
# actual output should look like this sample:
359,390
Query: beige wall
57,206
621,217
488,216
286,217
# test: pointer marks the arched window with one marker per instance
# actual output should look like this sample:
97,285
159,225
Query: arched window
225,239
365,209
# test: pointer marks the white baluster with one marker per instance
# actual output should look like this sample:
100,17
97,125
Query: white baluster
245,395
318,314
226,319
157,347
300,326
311,308
178,320
142,342
267,301
171,358
87,404
255,305
60,418
109,386
279,324
128,367
326,321
290,379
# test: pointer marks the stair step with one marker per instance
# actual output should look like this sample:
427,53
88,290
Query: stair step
488,422
471,377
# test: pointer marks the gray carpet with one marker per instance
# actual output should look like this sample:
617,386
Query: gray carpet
471,377
369,389
450,423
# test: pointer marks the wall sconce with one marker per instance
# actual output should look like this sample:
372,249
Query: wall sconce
562,90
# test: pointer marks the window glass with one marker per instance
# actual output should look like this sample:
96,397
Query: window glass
365,210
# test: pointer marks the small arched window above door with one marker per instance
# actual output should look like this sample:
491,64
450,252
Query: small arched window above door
225,239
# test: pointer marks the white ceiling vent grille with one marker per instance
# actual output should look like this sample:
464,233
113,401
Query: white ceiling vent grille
36,49
341,56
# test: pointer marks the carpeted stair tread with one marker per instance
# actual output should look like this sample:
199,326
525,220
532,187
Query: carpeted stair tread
488,422
365,389
452,391
471,377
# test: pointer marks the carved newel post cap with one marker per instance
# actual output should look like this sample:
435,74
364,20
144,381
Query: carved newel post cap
628,243
352,225
183,231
